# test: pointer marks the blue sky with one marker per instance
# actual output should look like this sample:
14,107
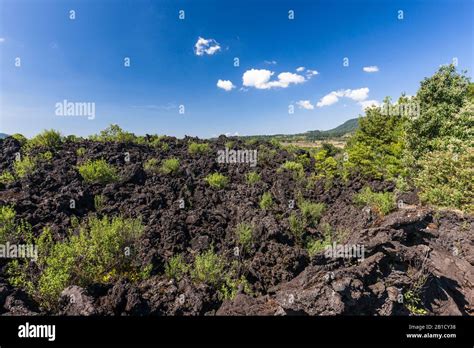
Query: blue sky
82,60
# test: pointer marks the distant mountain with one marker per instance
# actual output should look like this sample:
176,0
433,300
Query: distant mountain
344,129
3,135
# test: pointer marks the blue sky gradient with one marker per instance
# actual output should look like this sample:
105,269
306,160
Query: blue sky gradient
82,60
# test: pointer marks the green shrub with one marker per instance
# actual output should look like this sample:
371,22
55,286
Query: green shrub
244,235
325,165
96,255
99,202
114,133
252,178
170,165
20,138
6,177
297,226
382,203
159,144
292,166
80,152
24,167
446,179
376,149
311,212
266,201
231,286
151,166
46,156
98,171
7,223
198,148
47,138
208,267
176,268
315,245
441,98
217,180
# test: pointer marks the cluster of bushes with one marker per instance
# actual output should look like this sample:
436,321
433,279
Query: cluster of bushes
431,148
98,251
309,215
210,268
168,166
198,148
381,202
98,172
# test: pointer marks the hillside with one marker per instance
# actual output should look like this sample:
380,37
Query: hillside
346,128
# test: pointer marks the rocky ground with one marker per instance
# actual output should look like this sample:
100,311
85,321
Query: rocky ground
412,245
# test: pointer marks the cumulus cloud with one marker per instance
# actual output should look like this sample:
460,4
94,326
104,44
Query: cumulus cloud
226,85
311,73
261,79
371,69
206,46
300,69
359,95
305,104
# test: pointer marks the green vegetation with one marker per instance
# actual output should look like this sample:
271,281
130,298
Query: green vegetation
252,178
244,235
46,156
266,201
24,167
99,202
208,267
6,177
297,226
97,254
151,166
176,268
114,133
198,148
446,179
169,166
80,152
231,285
381,202
377,147
311,212
413,303
7,223
98,171
315,245
217,180
48,138
292,166
20,138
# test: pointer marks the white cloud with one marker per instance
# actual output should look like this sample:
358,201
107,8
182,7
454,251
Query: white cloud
305,104
260,79
229,134
206,46
358,95
328,99
300,69
270,62
225,84
371,69
311,73
2,39
368,103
